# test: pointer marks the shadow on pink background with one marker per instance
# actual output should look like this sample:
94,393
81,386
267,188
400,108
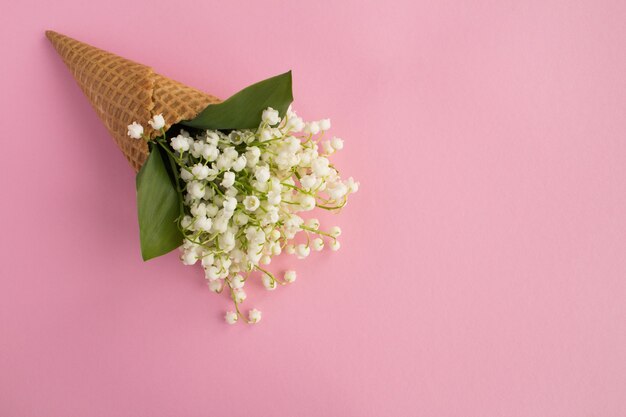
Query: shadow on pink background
483,267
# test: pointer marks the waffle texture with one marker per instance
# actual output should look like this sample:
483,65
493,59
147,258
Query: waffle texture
122,91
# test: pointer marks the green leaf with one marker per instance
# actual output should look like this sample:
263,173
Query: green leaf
244,109
158,205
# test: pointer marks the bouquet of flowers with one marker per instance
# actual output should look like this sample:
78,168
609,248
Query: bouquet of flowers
228,182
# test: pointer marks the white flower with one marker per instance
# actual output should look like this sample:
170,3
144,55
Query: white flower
320,166
240,163
274,235
251,203
208,259
240,295
211,210
231,317
212,272
210,152
290,249
198,210
274,197
235,137
293,224
230,153
229,179
212,138
317,244
312,224
186,175
254,316
216,285
266,134
308,181
197,148
203,223
254,234
294,123
268,282
195,189
328,148
237,255
209,195
252,156
220,223
297,124
237,282
226,241
335,231
188,138
157,122
307,156
352,185
254,255
223,163
270,116
179,143
336,143
224,262
302,251
324,124
241,218
312,128
290,276
292,144
186,222
335,245
262,173
307,202
230,204
261,187
189,258
271,216
337,191
200,171
135,130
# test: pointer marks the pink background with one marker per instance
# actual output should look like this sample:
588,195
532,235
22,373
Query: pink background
483,268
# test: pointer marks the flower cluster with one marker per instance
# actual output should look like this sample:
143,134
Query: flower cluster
244,195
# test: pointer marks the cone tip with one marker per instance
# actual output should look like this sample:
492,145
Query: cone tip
52,35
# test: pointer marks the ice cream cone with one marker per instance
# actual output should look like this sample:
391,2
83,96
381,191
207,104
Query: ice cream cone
122,91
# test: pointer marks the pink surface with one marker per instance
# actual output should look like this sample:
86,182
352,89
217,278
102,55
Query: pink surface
483,268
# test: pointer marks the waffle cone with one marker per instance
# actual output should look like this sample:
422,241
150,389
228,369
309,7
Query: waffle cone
122,91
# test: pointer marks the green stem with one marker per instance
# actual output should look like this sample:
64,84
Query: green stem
178,190
319,232
173,156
